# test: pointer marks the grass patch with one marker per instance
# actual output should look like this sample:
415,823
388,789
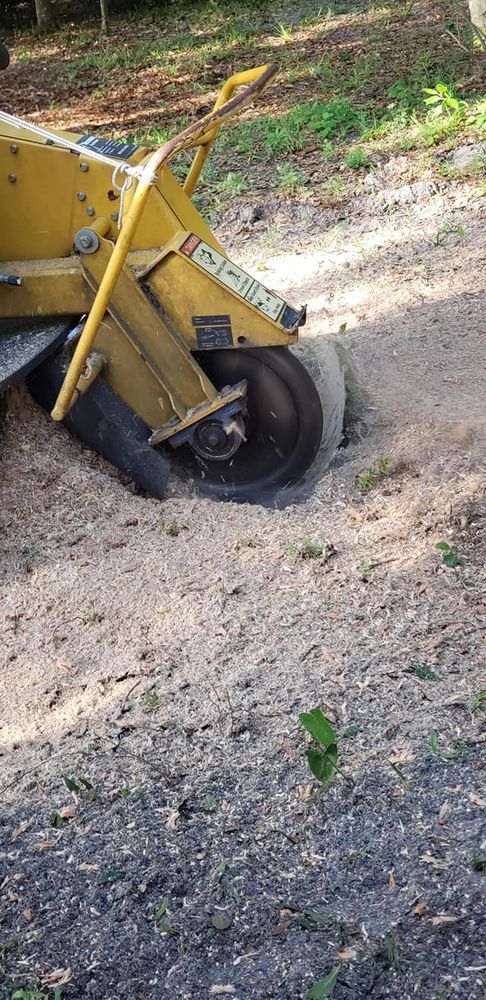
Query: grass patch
314,121
343,80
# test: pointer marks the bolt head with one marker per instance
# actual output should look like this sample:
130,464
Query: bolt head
84,167
81,196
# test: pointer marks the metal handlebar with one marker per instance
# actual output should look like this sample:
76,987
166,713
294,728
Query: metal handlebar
205,129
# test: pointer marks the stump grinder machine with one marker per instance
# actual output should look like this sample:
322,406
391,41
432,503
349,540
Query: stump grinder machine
132,326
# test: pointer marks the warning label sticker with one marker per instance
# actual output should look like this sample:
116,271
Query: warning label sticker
233,277
222,268
109,147
265,301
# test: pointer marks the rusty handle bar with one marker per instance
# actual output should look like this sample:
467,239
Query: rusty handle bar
153,164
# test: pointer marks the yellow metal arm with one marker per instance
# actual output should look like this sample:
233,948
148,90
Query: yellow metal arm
227,91
257,80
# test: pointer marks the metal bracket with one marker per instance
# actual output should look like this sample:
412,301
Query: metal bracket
227,402
10,279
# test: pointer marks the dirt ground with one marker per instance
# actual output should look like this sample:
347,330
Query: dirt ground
160,834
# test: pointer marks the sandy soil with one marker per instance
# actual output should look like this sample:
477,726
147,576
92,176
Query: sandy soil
163,651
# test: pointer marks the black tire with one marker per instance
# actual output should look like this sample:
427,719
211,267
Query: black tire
283,427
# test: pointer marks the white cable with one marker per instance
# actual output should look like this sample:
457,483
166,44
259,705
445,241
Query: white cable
60,140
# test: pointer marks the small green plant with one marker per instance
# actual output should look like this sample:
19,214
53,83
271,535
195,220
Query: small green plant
36,994
404,96
290,179
284,31
448,229
442,101
479,701
324,988
323,761
311,550
365,480
233,184
389,951
450,557
365,570
356,159
334,187
136,794
150,700
356,855
159,917
384,466
209,803
478,860
312,920
425,674
112,875
456,749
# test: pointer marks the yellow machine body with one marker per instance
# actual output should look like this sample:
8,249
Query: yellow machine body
101,233
47,195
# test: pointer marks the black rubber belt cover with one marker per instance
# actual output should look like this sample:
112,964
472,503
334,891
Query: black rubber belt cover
111,428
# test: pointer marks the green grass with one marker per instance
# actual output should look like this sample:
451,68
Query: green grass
269,137
356,159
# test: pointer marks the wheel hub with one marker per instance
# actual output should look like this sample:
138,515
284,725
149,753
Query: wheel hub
216,441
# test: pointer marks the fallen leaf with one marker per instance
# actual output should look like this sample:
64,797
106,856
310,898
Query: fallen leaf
435,862
59,977
356,515
19,830
67,812
83,867
172,819
305,792
402,755
280,929
420,909
346,956
391,880
27,913
12,896
477,800
433,643
220,990
444,918
45,844
442,816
